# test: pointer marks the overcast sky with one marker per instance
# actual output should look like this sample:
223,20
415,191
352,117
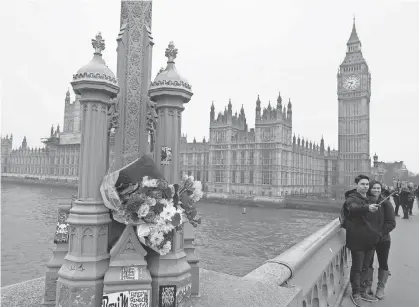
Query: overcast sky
227,49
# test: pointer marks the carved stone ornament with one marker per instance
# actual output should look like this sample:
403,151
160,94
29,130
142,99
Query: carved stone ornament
152,116
113,118
171,52
95,76
98,44
135,15
171,83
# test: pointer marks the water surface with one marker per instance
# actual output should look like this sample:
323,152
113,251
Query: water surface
226,241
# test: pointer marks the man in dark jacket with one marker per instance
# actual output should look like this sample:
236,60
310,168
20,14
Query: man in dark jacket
407,197
396,198
363,230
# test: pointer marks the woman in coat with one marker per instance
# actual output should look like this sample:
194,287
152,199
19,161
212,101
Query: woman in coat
382,248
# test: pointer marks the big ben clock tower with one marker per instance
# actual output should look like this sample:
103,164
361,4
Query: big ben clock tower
354,92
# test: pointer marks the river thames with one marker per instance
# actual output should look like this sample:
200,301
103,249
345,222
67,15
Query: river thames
226,241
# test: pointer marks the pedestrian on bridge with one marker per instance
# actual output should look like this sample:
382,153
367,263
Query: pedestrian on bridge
396,199
363,228
382,248
407,197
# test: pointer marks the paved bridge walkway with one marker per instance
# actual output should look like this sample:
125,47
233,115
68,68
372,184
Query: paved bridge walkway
402,289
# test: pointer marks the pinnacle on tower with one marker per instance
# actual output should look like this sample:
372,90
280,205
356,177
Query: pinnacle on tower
258,103
289,105
171,53
279,102
229,104
269,106
354,35
212,113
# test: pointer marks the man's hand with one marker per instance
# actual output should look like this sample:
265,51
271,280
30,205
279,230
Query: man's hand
373,207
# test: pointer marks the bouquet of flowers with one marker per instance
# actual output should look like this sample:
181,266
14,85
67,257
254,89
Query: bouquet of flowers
139,195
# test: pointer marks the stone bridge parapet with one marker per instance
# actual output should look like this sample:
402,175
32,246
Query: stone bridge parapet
312,273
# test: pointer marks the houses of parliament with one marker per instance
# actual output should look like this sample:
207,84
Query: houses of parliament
267,160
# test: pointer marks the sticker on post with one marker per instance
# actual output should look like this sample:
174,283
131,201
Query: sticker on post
61,230
183,294
167,296
115,299
166,155
139,298
131,273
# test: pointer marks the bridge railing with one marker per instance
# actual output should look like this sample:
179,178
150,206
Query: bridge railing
318,265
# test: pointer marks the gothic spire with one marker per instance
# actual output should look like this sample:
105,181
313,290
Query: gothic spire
258,103
279,102
354,36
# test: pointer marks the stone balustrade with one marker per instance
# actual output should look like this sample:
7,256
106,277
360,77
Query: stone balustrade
312,273
318,265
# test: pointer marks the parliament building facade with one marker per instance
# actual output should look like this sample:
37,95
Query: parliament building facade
267,160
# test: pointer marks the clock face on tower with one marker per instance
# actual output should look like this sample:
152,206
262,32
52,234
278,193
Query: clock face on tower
351,82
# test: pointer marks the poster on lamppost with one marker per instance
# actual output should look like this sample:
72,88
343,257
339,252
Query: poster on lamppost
136,298
166,155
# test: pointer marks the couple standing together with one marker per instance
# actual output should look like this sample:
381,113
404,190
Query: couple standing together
369,219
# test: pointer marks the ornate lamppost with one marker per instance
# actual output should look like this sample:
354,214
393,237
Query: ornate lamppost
80,281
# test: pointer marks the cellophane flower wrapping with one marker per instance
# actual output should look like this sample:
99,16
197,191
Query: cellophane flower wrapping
139,195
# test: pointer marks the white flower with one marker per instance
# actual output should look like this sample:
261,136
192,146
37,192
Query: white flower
168,213
166,248
149,183
197,185
143,211
166,228
197,191
156,237
191,178
159,220
185,177
143,230
172,188
150,201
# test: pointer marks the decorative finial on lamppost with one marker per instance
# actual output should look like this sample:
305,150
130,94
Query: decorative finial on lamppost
98,43
171,53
